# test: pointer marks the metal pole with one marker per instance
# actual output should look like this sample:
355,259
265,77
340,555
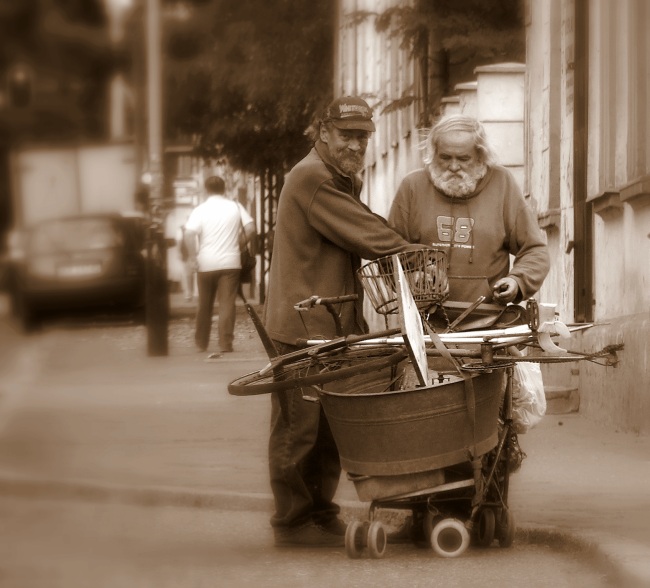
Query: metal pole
154,92
156,275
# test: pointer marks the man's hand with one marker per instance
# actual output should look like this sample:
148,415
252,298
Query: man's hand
505,290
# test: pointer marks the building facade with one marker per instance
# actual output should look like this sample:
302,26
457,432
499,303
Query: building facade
588,165
574,127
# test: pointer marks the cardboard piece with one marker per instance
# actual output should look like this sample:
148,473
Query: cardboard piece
411,324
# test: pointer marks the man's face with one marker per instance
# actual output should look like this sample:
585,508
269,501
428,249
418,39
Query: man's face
347,147
456,168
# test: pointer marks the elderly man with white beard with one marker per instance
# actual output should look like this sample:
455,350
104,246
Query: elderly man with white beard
465,204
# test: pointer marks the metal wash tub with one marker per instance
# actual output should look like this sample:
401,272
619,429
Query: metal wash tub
394,441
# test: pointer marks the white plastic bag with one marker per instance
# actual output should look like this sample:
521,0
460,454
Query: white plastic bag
528,397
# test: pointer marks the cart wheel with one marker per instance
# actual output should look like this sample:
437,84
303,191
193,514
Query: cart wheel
376,540
506,528
486,527
450,538
354,539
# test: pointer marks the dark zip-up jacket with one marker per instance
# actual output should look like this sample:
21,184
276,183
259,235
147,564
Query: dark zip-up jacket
322,232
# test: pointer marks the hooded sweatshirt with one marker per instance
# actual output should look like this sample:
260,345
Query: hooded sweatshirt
478,232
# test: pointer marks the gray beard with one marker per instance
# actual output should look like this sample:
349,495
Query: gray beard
457,185
349,164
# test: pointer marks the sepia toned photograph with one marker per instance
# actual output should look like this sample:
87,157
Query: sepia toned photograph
301,293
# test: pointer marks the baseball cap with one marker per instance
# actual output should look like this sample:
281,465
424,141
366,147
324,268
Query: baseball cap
350,112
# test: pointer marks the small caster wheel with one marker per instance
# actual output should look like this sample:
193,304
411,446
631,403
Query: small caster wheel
486,527
355,539
377,540
506,528
450,538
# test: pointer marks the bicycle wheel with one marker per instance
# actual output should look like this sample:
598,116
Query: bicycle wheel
309,351
318,369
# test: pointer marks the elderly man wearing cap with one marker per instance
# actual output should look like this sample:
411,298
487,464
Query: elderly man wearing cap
322,232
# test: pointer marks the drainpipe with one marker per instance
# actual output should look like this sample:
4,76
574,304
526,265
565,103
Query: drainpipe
583,213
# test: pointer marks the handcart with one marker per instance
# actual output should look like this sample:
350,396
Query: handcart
422,422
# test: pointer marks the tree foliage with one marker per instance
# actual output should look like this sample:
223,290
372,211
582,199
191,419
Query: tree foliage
450,39
245,77
249,78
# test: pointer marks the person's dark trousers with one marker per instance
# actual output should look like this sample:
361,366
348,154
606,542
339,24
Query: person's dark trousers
304,461
223,285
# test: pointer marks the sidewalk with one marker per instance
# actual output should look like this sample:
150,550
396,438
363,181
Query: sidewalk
123,426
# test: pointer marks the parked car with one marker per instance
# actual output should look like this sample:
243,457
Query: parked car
79,262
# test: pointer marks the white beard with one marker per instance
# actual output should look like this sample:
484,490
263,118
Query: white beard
457,184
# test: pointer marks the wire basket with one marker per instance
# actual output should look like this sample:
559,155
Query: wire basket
426,274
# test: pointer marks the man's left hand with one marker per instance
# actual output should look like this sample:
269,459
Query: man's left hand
505,290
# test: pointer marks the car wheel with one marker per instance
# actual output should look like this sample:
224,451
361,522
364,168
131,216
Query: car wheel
26,314
139,315
30,320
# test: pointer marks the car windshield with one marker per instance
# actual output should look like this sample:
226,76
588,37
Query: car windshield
75,235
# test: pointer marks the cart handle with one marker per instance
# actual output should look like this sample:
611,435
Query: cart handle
328,302
312,301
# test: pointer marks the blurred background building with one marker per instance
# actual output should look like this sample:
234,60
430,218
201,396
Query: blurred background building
74,119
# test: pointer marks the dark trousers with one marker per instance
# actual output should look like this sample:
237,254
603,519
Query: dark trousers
303,461
223,285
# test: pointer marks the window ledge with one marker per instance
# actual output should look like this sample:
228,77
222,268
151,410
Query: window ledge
608,204
637,191
550,218
611,202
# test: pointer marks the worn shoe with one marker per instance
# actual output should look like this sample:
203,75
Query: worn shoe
309,535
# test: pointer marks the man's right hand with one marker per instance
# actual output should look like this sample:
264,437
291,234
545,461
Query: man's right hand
505,290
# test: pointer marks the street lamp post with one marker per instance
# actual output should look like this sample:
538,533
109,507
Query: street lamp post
157,295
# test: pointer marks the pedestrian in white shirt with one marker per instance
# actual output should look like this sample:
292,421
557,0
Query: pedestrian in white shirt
215,225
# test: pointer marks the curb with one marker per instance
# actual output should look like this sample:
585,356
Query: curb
25,487
625,563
